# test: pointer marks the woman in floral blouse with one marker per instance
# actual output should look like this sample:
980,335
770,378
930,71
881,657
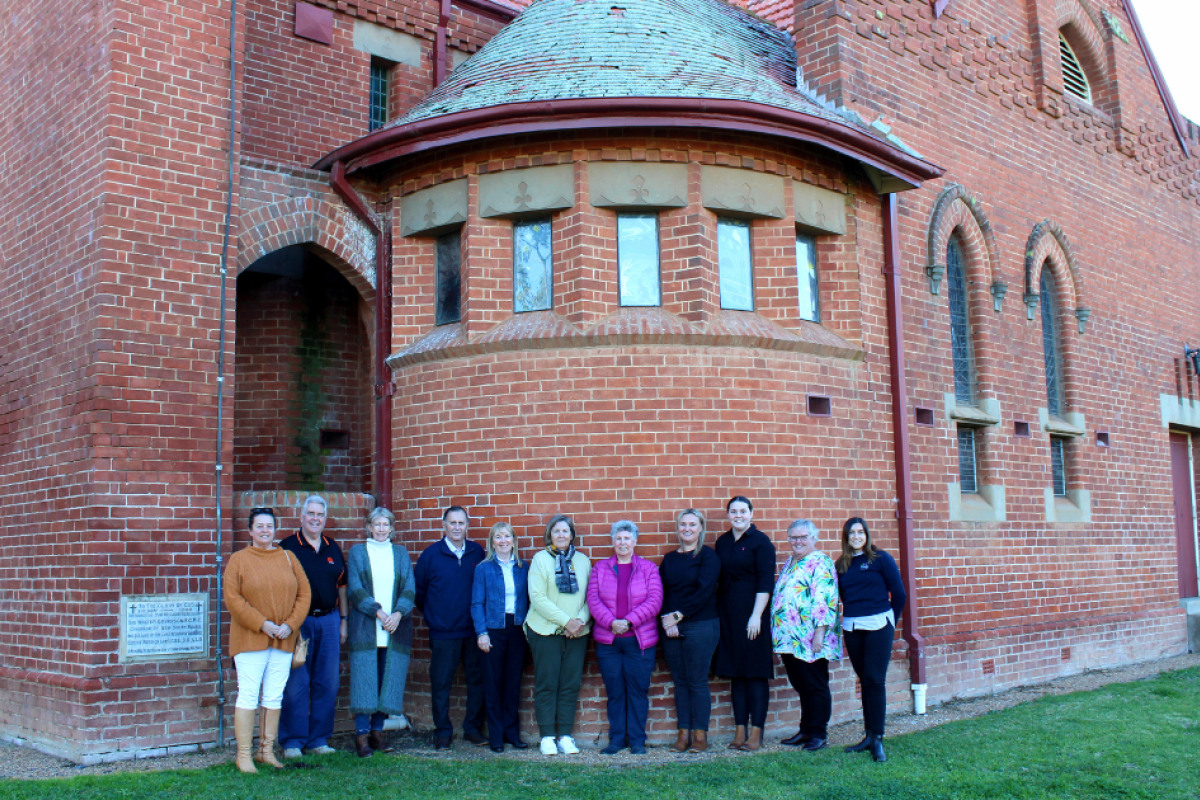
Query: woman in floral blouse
805,630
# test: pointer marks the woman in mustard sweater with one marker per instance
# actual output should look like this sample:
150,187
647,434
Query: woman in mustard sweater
267,596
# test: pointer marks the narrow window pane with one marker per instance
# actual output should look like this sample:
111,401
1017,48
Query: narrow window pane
966,460
1058,466
806,269
449,278
960,326
378,115
637,260
533,274
1051,350
733,258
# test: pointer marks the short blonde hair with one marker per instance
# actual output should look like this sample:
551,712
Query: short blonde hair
491,543
698,515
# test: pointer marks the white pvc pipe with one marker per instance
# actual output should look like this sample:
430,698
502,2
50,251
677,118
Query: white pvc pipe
918,690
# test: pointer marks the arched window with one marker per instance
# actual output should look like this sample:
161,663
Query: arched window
1075,80
1051,342
960,324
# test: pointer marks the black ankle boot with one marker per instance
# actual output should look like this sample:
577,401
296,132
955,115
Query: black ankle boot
877,749
797,739
865,744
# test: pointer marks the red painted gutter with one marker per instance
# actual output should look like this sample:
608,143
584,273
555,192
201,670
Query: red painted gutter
384,387
491,10
1177,121
387,144
908,558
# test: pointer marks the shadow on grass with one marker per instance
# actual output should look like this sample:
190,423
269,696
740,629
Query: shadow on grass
1136,740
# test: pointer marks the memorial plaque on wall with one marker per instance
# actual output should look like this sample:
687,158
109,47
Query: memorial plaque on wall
164,627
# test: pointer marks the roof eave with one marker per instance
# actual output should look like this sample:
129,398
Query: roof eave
387,144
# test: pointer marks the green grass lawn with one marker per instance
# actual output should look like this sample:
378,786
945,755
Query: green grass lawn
1134,740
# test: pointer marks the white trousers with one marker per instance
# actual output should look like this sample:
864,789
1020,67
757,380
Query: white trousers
262,670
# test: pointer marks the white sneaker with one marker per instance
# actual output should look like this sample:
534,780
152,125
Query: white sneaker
567,745
549,748
323,750
292,752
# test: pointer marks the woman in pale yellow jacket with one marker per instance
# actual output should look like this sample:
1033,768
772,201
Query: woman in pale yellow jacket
557,628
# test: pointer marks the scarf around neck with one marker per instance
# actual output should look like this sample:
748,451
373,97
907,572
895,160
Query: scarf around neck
564,569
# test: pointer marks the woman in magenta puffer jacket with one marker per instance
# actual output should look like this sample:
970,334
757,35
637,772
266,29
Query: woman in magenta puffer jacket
625,596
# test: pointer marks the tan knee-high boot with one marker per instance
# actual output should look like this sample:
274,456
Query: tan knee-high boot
266,738
243,731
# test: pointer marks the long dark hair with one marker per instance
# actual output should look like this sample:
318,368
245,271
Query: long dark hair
843,562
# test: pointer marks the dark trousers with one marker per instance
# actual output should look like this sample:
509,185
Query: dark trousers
689,658
749,696
810,679
502,669
306,719
444,658
365,723
557,673
626,669
870,652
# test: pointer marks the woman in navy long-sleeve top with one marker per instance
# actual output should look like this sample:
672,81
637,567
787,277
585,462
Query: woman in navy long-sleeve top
872,599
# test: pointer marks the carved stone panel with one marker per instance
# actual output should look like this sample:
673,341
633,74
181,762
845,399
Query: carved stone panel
624,184
819,210
742,193
434,211
519,192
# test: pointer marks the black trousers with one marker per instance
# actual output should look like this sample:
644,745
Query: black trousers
750,696
810,679
502,669
445,656
870,652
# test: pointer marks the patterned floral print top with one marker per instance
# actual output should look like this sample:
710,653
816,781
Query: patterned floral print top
805,598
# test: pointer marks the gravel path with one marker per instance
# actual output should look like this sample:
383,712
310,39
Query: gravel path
27,763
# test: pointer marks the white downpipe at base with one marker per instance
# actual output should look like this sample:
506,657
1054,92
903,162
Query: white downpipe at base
918,690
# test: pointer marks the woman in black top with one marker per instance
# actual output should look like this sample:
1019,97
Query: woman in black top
689,620
872,599
744,654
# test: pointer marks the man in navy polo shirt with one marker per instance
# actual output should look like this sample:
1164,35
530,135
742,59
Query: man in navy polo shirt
445,574
306,722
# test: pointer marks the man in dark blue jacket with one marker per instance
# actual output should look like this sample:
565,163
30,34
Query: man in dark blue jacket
445,574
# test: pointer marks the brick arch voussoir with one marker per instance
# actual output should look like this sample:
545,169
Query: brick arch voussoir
1049,245
1087,35
302,221
956,209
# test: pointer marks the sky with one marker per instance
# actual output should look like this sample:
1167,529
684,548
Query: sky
1172,28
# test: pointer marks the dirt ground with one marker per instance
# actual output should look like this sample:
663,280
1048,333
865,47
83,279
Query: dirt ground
27,763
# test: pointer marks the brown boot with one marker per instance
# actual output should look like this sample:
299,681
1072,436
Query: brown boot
377,742
754,741
266,738
243,731
739,738
682,741
699,742
362,746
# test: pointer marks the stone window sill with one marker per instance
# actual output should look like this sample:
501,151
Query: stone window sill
986,505
1076,507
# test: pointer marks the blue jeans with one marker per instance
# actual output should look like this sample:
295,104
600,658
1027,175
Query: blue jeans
689,658
311,692
626,670
365,723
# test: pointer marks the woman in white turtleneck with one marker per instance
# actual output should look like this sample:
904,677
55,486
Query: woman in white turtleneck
381,593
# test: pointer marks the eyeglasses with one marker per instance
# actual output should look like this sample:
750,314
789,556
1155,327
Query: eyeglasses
797,538
254,512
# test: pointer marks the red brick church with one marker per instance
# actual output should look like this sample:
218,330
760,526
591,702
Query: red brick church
930,263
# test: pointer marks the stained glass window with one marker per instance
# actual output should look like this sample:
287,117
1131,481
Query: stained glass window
637,260
533,273
1058,466
960,325
378,112
449,278
806,275
967,480
1051,342
733,259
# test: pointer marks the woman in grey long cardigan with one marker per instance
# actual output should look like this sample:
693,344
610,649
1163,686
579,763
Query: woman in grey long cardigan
380,633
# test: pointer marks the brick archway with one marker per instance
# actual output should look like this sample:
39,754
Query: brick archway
957,210
327,228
